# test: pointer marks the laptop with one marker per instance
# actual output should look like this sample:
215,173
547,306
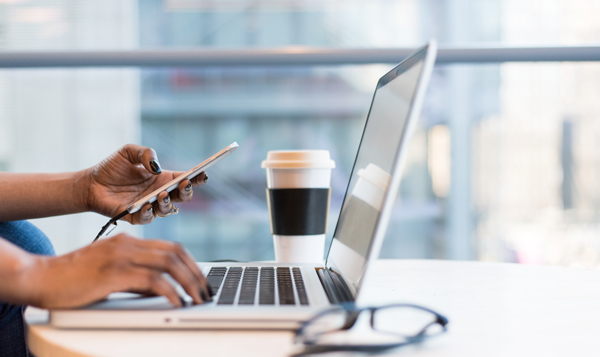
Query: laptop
263,295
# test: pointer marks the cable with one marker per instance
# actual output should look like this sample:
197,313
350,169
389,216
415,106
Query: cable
113,221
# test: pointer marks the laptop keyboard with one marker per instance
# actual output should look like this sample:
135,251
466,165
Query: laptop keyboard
266,293
215,277
240,285
248,289
284,286
300,288
232,281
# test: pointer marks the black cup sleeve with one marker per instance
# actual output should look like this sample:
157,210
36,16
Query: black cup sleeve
298,211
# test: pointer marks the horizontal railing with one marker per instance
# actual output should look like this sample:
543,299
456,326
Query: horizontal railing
287,56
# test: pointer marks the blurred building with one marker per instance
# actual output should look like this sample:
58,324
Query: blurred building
503,168
536,168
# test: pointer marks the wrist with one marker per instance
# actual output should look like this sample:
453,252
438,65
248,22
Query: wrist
30,279
82,184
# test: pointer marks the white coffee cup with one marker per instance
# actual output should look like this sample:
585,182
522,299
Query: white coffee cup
298,190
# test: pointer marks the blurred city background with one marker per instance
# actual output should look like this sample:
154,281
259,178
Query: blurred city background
505,165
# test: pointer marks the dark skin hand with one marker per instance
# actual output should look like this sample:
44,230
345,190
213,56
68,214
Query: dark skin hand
130,174
120,263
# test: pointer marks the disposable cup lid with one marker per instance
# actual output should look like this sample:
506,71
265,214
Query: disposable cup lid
298,159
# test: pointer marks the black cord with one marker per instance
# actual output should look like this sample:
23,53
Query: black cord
112,221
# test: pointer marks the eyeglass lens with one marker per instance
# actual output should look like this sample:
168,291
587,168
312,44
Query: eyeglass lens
331,321
406,321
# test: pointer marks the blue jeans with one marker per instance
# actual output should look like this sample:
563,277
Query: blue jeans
12,332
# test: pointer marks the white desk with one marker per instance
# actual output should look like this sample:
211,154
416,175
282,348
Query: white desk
494,310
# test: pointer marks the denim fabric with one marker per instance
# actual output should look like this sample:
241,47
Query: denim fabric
12,333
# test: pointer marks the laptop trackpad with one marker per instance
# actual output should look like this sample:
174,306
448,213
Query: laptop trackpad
130,301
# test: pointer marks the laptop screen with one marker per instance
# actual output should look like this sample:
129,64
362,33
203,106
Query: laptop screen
372,172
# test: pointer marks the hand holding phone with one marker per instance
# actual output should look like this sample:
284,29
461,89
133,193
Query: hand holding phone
170,186
193,172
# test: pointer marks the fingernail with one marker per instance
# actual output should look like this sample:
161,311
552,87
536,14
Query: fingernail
149,211
188,187
205,178
154,165
166,199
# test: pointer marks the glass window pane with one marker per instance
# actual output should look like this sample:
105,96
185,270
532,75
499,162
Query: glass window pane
502,168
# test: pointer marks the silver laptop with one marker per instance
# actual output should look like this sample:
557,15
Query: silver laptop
279,296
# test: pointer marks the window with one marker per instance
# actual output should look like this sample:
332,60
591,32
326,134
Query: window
503,167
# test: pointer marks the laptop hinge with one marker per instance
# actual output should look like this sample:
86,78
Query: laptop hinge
335,287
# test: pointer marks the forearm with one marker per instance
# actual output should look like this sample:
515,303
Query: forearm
26,196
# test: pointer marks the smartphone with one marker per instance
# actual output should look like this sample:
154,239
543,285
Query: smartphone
195,171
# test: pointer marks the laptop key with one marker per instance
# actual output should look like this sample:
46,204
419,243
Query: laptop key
248,289
266,288
300,288
230,286
215,278
285,287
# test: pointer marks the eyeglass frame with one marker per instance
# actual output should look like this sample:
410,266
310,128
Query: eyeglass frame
352,316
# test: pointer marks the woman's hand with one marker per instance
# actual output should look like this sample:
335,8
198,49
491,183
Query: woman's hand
120,263
129,174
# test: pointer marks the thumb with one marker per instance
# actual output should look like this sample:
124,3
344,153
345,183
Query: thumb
137,154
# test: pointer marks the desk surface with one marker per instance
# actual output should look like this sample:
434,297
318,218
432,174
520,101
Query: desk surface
494,309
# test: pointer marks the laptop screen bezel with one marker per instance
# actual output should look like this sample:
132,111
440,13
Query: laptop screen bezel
426,54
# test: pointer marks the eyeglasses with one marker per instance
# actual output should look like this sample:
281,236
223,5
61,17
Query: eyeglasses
391,326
